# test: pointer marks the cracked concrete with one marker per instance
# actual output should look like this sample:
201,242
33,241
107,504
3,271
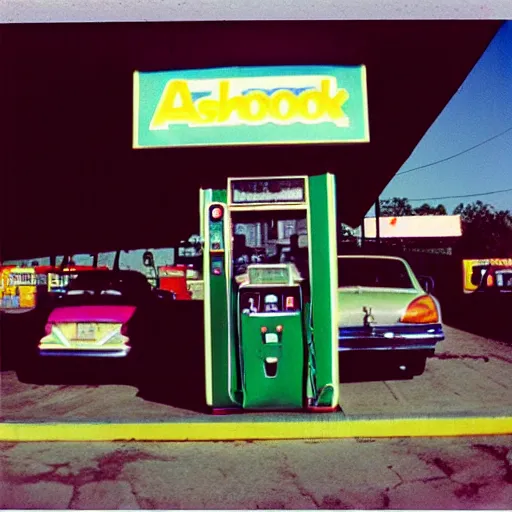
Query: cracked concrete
288,473
113,495
412,473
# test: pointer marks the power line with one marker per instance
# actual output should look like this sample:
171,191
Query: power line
456,155
458,197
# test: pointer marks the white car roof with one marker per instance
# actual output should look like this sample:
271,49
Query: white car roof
372,256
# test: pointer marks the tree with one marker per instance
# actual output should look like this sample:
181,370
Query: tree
485,231
396,207
426,209
400,207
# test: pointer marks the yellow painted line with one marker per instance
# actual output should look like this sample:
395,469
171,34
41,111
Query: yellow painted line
232,431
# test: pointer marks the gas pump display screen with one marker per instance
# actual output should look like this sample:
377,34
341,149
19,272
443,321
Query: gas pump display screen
269,190
269,275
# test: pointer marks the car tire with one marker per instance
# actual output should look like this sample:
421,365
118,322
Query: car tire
33,370
416,365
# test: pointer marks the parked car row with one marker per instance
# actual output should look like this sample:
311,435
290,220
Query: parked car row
383,309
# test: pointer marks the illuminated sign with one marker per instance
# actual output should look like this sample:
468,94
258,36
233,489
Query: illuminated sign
501,262
23,279
414,226
474,270
246,105
267,190
58,281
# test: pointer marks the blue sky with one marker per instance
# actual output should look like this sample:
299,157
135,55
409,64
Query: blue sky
480,109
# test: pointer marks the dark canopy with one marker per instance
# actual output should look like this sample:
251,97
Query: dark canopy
71,182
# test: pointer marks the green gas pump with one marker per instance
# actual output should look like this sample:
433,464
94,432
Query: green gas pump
271,336
270,294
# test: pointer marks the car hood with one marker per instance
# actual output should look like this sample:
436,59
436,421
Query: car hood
387,304
114,314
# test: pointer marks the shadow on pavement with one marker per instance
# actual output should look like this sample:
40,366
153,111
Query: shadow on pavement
166,363
483,314
370,368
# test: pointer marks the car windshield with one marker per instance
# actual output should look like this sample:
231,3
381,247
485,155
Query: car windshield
373,272
130,288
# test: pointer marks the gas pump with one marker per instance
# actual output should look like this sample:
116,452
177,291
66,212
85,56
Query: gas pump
270,301
271,337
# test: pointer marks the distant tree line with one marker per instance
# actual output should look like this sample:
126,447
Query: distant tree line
486,231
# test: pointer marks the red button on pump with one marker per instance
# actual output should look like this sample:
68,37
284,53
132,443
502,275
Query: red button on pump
263,330
279,328
216,213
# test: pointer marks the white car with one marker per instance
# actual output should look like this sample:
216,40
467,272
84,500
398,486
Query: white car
383,308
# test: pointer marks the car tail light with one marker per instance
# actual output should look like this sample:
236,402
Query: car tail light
124,330
422,310
48,328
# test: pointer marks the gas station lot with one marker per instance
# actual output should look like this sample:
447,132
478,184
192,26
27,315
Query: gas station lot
469,374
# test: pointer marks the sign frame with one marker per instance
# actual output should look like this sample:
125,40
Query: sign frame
310,95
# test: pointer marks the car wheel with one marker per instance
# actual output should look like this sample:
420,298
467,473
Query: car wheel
128,370
33,369
416,365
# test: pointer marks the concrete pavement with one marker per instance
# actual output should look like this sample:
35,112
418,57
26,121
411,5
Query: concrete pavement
470,375
430,473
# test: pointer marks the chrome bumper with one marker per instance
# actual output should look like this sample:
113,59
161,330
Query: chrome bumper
390,338
84,353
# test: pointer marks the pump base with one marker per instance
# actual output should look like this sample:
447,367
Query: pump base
320,409
226,410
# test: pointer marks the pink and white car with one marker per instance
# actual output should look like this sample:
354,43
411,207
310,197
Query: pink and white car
102,314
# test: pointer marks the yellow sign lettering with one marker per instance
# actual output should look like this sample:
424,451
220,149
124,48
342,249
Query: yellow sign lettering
231,106
228,106
255,107
208,110
167,112
283,106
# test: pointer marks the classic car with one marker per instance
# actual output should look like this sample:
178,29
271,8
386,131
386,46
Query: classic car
101,314
383,310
